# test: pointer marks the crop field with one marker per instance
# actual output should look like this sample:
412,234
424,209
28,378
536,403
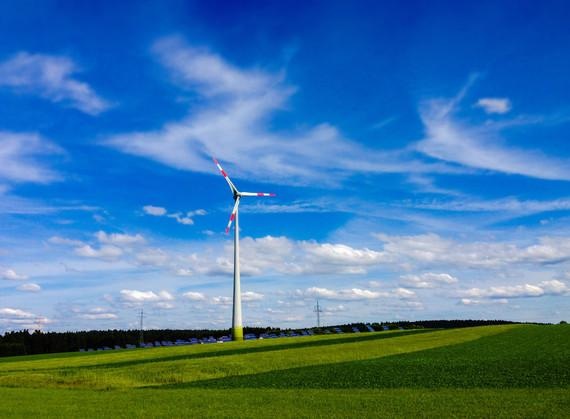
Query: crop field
491,371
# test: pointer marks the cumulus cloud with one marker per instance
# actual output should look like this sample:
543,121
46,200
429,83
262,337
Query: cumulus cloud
96,313
165,305
335,309
64,241
282,255
30,287
50,77
161,299
119,239
106,253
112,245
23,155
494,105
186,219
246,297
432,249
404,293
194,296
221,300
152,257
12,275
16,313
250,296
344,295
182,219
552,287
20,319
343,255
427,280
156,211
183,272
472,302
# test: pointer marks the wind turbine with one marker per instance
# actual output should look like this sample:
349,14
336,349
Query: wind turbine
237,326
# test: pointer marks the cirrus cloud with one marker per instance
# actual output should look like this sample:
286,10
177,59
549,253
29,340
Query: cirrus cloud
50,77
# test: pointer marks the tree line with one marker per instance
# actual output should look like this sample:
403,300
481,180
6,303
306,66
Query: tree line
25,342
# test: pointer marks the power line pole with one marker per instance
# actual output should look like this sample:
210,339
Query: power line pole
318,311
141,335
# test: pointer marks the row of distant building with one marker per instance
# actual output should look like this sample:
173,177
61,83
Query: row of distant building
223,339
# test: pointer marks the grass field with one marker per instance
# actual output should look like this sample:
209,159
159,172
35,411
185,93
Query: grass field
495,371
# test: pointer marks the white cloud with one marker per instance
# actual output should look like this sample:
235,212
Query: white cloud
99,316
279,254
97,313
223,301
342,254
552,287
165,305
136,296
509,204
15,318
15,313
250,296
12,275
152,257
209,73
30,287
471,302
23,155
231,120
156,211
404,293
427,280
64,241
182,219
199,211
335,309
481,147
269,255
344,295
184,272
50,77
186,219
494,105
119,239
432,249
194,296
107,253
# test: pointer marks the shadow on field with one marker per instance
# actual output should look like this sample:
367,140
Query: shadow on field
520,358
249,350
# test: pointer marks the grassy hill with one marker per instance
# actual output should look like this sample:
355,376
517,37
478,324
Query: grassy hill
495,371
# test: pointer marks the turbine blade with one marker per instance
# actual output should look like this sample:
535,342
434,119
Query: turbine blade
232,215
226,177
256,194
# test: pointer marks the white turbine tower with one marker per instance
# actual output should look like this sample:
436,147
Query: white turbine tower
237,326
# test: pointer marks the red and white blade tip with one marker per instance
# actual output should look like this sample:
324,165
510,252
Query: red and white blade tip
222,171
232,218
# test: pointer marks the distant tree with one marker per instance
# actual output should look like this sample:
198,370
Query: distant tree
563,322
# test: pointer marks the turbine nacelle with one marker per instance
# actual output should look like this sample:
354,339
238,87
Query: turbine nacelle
237,194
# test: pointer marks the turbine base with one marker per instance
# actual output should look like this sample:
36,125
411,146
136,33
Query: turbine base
237,333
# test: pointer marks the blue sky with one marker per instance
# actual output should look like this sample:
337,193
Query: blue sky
419,153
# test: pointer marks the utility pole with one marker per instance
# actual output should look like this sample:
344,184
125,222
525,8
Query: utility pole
141,335
318,311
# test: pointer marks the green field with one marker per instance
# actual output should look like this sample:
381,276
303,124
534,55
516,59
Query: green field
492,371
